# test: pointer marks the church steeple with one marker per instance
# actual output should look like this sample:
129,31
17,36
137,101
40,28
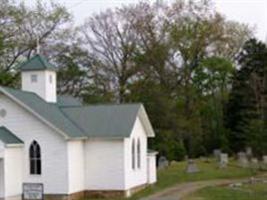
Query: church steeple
39,76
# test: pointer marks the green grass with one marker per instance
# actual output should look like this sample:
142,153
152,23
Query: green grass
175,174
246,192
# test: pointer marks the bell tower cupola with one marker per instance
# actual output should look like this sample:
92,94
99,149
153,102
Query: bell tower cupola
39,76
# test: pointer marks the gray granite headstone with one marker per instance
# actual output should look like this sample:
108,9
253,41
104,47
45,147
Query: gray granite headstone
264,159
163,162
249,153
255,163
191,167
216,153
242,159
223,160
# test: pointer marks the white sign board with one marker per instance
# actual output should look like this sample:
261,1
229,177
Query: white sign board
33,191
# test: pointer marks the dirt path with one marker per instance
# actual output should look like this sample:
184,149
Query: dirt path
179,191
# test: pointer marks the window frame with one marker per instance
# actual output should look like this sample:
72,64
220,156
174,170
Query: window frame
35,159
133,154
138,153
34,78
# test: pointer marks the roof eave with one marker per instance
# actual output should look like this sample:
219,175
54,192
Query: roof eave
152,153
44,69
14,145
77,138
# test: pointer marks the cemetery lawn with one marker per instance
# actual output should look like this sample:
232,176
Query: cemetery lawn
245,192
175,174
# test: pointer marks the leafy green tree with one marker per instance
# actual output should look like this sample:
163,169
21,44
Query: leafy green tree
212,79
247,98
257,136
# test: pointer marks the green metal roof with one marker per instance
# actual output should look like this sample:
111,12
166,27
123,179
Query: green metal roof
65,100
104,120
78,121
7,137
37,62
50,112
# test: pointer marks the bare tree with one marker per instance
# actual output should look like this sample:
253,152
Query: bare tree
110,38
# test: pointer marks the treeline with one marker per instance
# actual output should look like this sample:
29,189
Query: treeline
202,84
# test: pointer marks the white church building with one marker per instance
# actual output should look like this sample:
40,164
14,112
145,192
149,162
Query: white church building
72,150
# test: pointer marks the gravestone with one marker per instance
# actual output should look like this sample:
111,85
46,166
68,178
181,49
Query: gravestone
217,153
254,163
173,162
263,164
204,159
242,159
163,162
264,159
191,167
223,160
249,153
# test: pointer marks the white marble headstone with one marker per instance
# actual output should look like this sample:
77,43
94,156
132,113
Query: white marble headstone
242,159
163,162
191,167
223,160
216,153
264,159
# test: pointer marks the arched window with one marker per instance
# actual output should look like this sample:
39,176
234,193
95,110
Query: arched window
35,159
138,153
133,154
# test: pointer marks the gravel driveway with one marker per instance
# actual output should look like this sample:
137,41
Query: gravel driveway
178,192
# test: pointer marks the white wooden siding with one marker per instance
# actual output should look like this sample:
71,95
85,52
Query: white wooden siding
76,166
53,147
13,171
151,169
104,164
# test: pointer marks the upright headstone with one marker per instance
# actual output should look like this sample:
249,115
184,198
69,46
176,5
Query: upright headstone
204,159
254,163
217,153
264,159
191,167
242,159
223,160
173,162
163,162
249,153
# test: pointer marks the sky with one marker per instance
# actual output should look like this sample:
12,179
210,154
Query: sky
251,12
